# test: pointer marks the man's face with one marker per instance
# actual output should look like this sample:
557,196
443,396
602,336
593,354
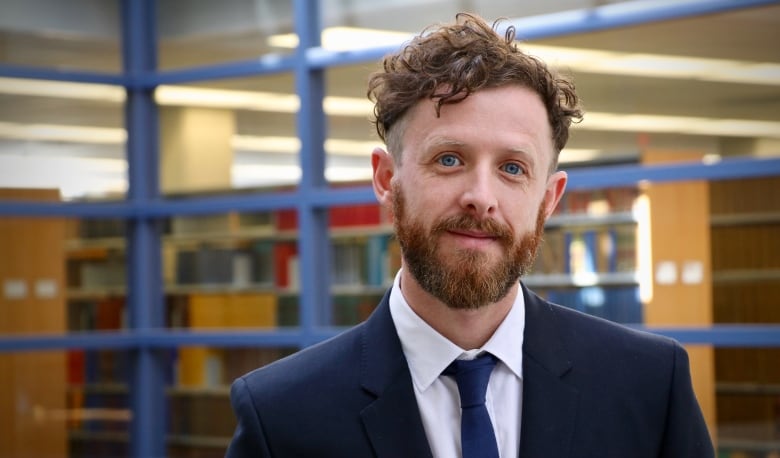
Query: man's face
472,193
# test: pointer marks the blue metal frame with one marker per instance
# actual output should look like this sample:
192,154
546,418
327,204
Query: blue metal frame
580,178
144,262
145,338
719,335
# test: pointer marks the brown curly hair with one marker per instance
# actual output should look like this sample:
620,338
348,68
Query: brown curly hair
451,62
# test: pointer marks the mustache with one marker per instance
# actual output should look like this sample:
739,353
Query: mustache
469,223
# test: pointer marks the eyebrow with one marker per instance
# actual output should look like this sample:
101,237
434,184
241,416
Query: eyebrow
444,141
438,142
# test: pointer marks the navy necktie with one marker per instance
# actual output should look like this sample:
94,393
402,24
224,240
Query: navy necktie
476,432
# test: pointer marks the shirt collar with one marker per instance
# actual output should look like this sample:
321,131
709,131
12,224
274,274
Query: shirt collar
428,353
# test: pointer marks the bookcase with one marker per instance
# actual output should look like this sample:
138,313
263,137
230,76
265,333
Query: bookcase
239,271
589,259
745,220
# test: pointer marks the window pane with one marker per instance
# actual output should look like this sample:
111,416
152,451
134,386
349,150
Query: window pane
81,38
351,137
364,257
225,135
64,136
201,419
235,270
214,33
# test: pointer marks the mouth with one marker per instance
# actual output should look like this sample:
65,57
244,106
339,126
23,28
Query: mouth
466,239
473,234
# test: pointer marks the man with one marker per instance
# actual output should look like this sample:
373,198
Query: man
473,128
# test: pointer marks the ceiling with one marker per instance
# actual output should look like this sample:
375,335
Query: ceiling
626,107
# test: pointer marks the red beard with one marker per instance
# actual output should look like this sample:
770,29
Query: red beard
464,278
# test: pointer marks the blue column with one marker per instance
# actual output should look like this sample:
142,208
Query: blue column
145,289
313,244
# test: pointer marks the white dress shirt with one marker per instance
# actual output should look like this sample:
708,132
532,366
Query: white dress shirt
428,353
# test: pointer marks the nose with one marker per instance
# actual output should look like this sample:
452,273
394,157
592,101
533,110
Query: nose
479,197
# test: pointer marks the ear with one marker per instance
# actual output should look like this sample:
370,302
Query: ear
384,170
556,185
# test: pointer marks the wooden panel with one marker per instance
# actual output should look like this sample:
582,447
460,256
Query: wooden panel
32,279
680,253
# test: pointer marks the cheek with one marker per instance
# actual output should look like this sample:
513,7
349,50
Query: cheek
524,218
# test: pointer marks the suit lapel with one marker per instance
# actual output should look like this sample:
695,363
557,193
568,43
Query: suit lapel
549,404
392,421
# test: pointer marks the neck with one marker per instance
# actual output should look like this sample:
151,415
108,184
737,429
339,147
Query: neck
467,328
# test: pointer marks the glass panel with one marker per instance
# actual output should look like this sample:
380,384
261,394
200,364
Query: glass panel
748,401
212,33
84,37
95,257
589,258
201,419
68,137
351,137
364,260
236,270
98,399
224,135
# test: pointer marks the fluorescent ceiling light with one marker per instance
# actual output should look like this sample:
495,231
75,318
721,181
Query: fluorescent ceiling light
62,133
657,65
679,125
249,175
224,98
345,38
578,155
62,89
256,101
292,145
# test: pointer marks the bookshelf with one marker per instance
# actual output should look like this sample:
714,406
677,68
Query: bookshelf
745,221
589,259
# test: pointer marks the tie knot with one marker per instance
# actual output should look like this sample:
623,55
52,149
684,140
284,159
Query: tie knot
472,377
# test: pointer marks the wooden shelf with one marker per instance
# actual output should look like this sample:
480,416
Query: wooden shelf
198,441
591,220
581,280
745,275
748,445
102,436
748,388
740,219
216,391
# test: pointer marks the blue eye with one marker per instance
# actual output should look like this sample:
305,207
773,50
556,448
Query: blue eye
513,169
448,160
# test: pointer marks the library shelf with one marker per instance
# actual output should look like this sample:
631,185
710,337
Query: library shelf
748,388
744,223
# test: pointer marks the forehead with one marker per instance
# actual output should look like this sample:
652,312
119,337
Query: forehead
507,117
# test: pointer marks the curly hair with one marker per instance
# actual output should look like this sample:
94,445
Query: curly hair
449,63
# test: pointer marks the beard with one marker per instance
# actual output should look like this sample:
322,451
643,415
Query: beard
464,278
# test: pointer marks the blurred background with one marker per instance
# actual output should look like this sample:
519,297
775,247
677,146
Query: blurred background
173,173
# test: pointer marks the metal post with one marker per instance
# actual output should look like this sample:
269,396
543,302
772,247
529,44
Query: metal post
313,242
144,293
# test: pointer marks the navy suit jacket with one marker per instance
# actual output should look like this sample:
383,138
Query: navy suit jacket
591,388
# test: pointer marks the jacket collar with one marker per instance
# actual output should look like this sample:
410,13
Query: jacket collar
549,404
392,421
